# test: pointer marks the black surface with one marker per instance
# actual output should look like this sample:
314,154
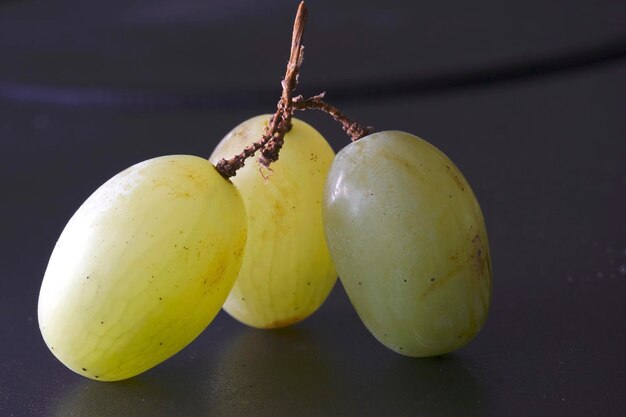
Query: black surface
545,154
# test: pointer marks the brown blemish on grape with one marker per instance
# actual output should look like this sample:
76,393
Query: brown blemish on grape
220,271
455,178
238,252
282,323
182,194
440,281
241,132
481,260
278,211
400,162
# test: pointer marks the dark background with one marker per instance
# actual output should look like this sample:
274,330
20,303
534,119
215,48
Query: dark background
527,97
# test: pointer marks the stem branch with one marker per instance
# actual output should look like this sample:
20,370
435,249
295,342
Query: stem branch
273,138
352,128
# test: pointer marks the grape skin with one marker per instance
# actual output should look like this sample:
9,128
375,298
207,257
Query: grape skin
409,242
287,272
142,267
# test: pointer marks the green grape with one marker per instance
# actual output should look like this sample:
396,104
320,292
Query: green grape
408,239
142,267
286,272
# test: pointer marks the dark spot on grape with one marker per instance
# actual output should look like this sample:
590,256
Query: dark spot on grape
160,343
84,369
308,283
87,277
243,299
449,195
101,322
96,376
400,347
432,279
175,245
359,282
160,299
405,280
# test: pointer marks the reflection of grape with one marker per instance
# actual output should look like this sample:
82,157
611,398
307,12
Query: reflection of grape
409,242
287,272
142,267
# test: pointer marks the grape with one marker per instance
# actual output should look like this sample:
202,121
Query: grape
286,272
142,267
409,242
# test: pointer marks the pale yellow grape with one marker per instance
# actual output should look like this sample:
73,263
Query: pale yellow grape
409,242
287,271
142,267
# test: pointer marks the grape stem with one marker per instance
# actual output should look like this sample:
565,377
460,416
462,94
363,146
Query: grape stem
352,128
273,138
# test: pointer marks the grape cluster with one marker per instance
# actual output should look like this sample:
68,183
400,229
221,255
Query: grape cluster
147,261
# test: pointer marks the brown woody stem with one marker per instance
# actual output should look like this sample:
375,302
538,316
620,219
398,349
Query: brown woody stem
273,138
352,128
